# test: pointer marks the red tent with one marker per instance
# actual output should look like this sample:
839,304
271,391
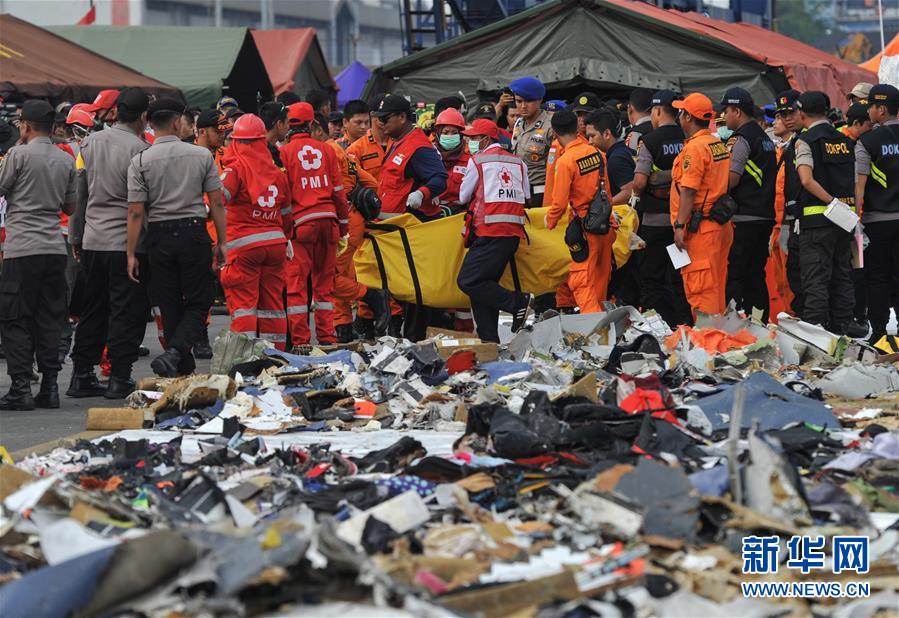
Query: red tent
294,60
806,67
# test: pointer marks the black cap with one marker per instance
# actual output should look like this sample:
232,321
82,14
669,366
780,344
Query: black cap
664,97
585,102
210,118
813,102
335,117
786,101
165,104
133,100
857,111
392,104
738,97
883,94
485,110
35,110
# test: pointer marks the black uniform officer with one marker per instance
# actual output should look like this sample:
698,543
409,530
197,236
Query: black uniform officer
877,192
788,112
662,287
825,165
639,115
166,183
37,179
752,183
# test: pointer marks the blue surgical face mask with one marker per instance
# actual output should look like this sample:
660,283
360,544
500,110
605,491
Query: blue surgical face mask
450,142
724,133
474,146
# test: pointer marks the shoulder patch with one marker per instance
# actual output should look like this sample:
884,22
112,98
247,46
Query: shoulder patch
588,164
719,151
687,162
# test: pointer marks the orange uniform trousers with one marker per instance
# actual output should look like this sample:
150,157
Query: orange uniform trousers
346,288
253,282
705,276
315,256
589,280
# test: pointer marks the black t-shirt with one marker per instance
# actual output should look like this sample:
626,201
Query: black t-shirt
621,166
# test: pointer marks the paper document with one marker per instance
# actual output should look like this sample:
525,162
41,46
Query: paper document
678,257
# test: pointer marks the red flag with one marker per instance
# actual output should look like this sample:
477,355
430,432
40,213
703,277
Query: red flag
89,17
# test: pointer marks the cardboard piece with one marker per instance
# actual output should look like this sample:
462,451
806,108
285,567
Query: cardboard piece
11,479
451,341
506,599
116,418
585,387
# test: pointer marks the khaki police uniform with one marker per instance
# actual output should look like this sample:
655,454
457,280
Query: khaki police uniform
170,179
531,143
36,179
113,309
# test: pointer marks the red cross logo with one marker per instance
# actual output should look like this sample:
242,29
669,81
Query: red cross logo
505,177
310,158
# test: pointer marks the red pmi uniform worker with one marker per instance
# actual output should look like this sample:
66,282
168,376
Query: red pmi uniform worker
320,220
699,177
258,199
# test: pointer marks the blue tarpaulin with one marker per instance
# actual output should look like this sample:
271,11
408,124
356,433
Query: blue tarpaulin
351,82
769,402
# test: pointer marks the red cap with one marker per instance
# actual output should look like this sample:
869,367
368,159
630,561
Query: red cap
482,126
697,105
299,113
249,126
104,101
80,116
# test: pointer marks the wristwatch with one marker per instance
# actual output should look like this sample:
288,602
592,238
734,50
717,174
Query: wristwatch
680,226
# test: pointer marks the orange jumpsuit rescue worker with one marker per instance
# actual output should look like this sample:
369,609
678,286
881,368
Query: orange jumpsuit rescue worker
258,205
320,225
346,288
495,187
580,178
699,178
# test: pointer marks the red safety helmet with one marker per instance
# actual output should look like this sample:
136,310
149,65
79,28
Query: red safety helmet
299,113
80,116
248,126
450,117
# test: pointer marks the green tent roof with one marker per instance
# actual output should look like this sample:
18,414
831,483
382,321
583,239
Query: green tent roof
204,63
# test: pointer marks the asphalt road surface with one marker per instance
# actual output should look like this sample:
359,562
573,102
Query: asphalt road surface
22,431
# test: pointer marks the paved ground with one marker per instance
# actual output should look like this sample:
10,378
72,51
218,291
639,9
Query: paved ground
20,431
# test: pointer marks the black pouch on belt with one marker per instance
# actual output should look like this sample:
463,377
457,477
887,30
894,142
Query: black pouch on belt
576,241
723,209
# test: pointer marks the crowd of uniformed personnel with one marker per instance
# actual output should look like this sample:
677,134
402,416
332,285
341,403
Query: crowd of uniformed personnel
166,203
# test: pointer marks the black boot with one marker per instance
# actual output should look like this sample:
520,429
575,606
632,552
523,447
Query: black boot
143,350
344,333
19,395
166,364
365,328
395,327
202,349
84,384
48,396
119,388
379,303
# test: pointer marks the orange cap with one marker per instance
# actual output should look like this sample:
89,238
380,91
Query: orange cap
300,112
697,105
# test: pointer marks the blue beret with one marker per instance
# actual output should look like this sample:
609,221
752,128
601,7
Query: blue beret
554,105
528,88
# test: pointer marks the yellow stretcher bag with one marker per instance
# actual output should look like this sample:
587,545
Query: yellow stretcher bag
418,262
